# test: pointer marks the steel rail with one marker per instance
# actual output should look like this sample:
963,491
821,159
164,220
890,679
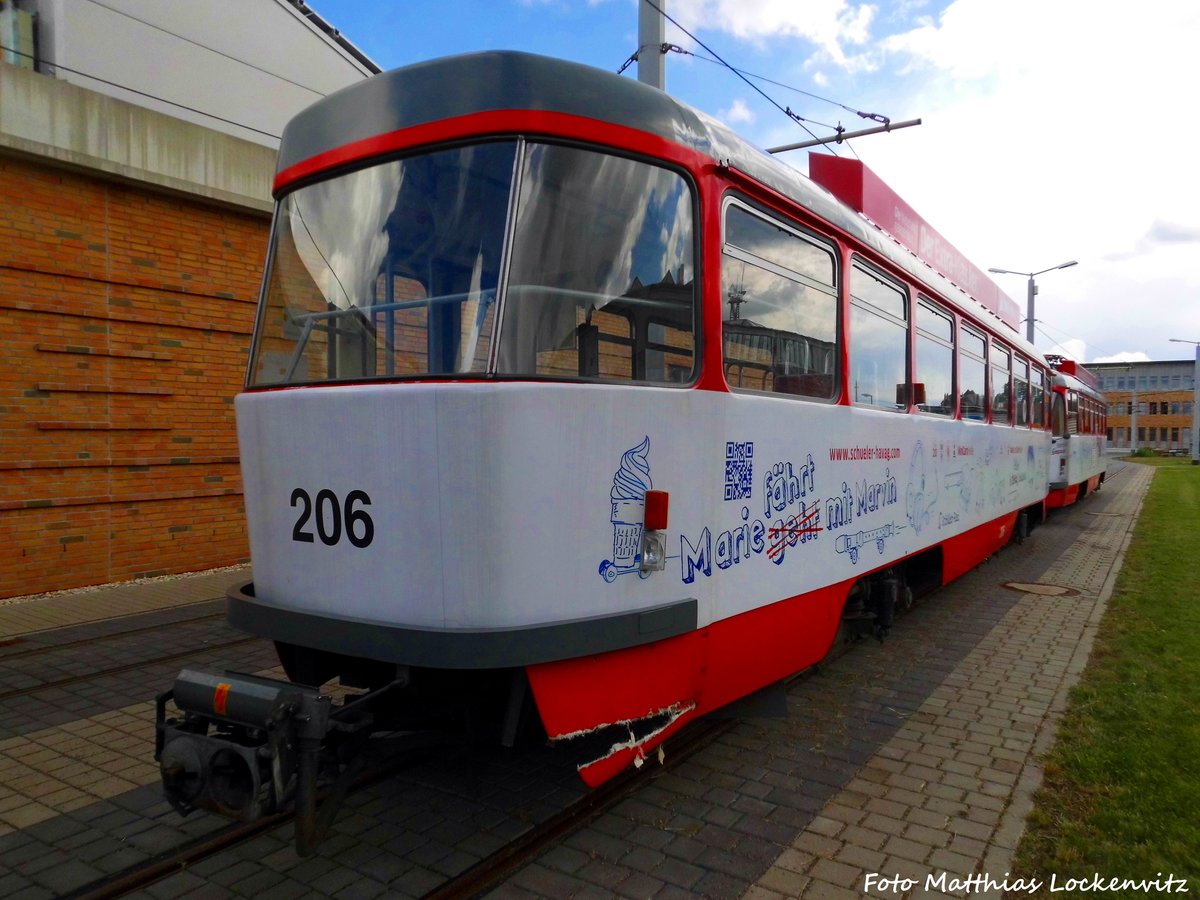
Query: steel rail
128,667
50,648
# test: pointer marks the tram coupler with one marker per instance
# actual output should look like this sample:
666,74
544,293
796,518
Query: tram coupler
245,746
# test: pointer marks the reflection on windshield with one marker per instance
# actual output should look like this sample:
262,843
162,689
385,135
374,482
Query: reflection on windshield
602,256
388,271
394,270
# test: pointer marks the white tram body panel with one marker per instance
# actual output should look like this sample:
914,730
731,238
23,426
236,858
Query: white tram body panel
495,506
1078,464
1076,459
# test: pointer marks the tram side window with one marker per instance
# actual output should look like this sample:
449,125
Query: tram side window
1072,412
779,288
1001,387
878,341
1059,421
1021,391
935,359
972,374
1037,396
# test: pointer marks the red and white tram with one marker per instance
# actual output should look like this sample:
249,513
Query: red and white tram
561,391
1079,418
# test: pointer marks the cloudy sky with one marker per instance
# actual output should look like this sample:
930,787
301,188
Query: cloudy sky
1053,129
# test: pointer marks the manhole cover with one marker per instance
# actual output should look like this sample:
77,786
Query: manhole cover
1045,590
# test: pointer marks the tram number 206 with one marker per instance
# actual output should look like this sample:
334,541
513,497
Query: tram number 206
332,518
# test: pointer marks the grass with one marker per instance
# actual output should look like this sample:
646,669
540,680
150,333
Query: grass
1121,795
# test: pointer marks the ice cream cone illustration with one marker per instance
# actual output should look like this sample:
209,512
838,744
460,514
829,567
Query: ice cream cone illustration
628,495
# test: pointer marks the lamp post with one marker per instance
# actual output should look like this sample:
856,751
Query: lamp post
1195,401
1032,291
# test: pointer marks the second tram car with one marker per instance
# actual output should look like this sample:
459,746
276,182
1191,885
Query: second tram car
565,401
1079,420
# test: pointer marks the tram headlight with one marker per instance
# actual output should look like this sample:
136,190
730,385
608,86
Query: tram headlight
654,554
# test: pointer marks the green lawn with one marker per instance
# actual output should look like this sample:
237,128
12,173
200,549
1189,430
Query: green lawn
1122,790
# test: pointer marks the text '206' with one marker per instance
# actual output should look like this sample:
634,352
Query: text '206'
331,518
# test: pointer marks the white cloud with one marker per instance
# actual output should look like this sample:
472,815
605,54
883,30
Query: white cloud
829,24
739,112
1071,349
1123,356
1160,235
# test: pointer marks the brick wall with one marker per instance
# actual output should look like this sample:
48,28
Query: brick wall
125,315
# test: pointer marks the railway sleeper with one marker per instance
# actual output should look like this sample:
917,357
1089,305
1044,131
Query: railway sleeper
245,747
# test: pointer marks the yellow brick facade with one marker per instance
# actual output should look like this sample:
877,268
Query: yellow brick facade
1164,395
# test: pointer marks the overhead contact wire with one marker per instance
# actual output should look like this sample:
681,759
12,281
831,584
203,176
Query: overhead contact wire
799,120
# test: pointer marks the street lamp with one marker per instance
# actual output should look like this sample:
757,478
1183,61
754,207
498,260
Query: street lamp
1195,401
1032,291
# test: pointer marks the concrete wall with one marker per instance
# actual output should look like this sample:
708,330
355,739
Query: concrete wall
50,119
243,67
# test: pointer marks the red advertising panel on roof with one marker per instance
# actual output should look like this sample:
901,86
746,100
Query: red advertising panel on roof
861,189
1074,369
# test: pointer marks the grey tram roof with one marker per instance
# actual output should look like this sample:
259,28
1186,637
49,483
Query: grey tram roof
506,80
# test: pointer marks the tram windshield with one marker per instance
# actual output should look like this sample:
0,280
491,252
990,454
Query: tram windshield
511,258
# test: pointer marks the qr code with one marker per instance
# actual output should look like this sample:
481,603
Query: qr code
739,469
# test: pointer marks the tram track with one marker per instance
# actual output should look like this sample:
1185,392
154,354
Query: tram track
470,883
488,872
118,670
39,649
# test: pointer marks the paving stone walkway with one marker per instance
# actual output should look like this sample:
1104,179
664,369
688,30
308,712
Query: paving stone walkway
949,793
